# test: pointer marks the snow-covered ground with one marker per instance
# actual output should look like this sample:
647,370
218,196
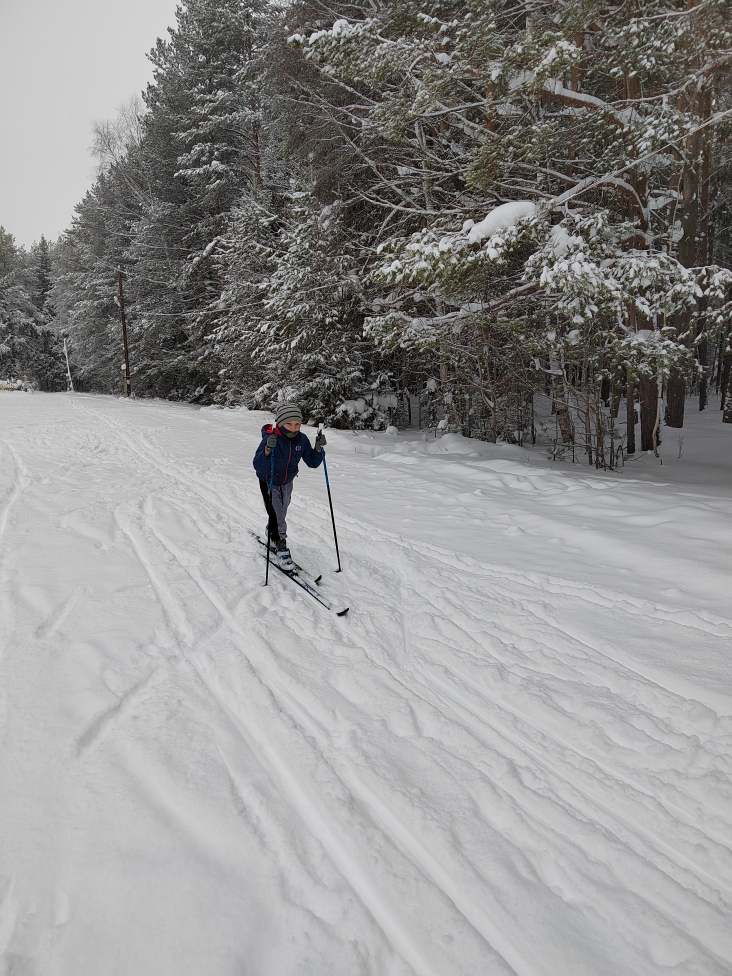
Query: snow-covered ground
512,756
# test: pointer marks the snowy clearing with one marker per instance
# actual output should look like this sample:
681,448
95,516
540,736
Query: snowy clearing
512,756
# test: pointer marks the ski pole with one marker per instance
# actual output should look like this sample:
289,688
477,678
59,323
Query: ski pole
271,513
332,516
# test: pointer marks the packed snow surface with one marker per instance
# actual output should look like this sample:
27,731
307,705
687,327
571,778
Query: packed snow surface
512,756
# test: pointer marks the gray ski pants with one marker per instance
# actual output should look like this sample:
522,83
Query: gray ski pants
277,507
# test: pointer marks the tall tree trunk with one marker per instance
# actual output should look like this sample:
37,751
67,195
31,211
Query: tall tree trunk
692,182
719,361
426,175
706,242
257,153
727,415
615,395
704,255
702,353
564,418
630,412
675,398
657,424
605,391
693,246
588,427
649,406
726,390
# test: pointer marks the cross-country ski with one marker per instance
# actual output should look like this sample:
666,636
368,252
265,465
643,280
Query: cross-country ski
304,580
296,567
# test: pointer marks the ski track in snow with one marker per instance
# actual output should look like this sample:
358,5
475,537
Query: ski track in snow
503,788
376,901
324,827
19,483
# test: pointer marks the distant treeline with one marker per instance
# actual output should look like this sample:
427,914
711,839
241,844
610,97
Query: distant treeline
30,348
518,213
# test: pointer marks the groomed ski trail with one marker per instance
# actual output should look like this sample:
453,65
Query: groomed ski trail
473,772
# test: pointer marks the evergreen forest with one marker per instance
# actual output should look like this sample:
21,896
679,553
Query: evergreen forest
505,218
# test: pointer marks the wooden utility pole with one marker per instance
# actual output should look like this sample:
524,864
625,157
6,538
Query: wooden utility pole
128,381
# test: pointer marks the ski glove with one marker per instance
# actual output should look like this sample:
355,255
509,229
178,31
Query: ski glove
271,443
320,441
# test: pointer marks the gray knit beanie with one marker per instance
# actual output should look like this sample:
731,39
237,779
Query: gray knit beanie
287,412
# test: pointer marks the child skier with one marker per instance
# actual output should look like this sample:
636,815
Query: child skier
289,445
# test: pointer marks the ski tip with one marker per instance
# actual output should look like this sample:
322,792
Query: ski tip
318,579
342,613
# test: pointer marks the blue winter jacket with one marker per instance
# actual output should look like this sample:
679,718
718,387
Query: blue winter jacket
287,455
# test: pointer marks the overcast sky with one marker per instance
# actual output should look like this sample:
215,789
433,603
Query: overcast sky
63,64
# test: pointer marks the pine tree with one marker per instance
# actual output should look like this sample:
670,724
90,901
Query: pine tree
313,316
29,348
203,146
42,266
85,287
563,127
247,256
511,211
170,176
